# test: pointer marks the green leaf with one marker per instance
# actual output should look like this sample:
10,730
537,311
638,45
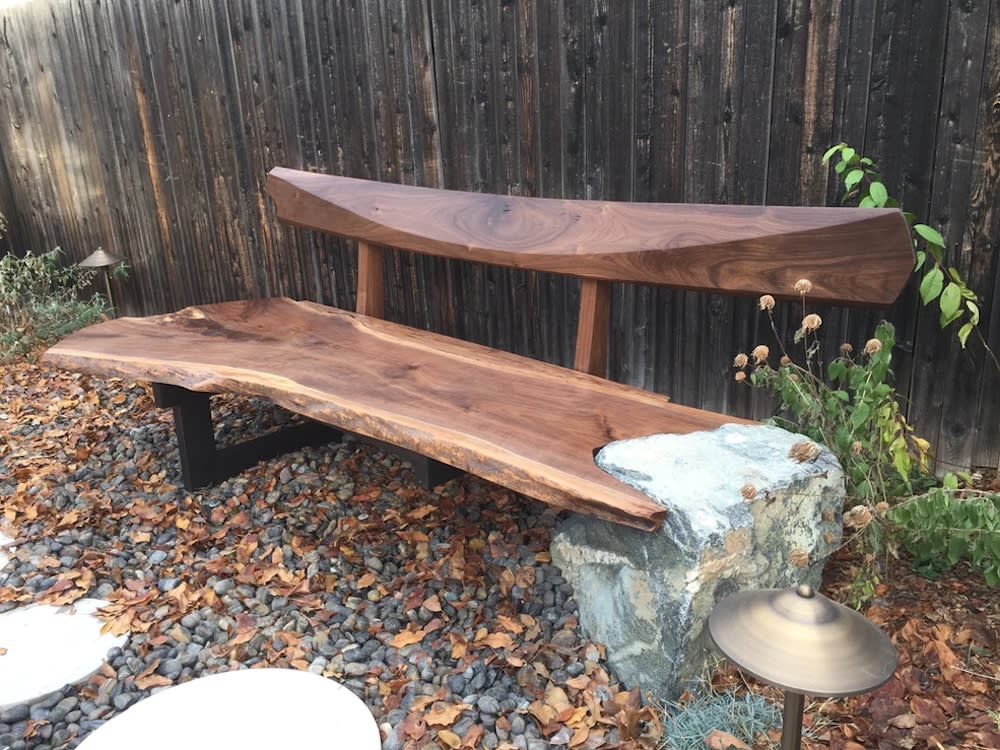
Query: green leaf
930,286
950,481
992,576
878,193
853,178
951,297
963,333
848,153
867,202
901,462
841,166
831,151
921,258
973,309
861,413
910,217
945,320
930,234
957,548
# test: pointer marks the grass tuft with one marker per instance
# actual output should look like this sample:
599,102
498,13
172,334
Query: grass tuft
747,717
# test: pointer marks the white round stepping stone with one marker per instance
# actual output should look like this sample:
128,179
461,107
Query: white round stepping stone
49,647
249,709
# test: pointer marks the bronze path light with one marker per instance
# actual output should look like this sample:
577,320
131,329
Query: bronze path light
103,260
802,642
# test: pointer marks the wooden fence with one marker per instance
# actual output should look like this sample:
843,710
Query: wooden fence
148,127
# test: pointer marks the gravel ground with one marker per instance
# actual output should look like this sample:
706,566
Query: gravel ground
441,609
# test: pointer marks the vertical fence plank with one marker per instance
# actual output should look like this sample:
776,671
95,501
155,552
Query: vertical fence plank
981,242
946,414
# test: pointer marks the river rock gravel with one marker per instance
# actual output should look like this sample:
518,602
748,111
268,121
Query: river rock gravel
440,609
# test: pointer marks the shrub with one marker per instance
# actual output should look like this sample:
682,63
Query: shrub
945,525
852,407
39,302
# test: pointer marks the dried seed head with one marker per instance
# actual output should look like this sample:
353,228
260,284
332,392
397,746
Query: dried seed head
766,302
803,286
829,516
811,322
830,538
846,349
873,346
748,491
881,507
799,558
794,377
760,354
740,376
858,517
785,360
804,450
740,360
856,447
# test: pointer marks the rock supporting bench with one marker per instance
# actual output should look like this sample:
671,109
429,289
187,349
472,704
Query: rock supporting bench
748,507
528,425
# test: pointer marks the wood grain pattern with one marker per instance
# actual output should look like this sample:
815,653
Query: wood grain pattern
530,426
371,280
850,255
592,328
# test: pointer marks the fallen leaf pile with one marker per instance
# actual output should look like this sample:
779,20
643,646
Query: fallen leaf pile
465,545
458,566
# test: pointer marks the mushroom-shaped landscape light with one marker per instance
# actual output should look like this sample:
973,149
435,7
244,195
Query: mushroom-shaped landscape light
801,641
104,260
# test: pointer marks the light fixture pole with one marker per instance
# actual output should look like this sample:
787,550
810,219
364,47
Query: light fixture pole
103,260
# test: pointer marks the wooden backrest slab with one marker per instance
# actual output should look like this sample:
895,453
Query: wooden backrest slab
853,256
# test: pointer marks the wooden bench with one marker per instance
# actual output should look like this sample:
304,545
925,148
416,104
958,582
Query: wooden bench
527,425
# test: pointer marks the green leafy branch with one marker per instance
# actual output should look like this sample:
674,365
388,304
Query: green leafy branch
957,303
946,525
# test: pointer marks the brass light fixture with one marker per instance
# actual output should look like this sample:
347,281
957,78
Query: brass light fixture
104,260
801,641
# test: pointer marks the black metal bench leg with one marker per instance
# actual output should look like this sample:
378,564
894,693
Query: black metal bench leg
427,472
430,473
202,464
195,434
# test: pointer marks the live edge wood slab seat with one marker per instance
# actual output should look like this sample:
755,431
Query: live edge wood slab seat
527,425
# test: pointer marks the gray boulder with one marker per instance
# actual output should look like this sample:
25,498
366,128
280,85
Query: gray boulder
749,507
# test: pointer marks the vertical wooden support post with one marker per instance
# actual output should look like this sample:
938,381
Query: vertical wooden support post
195,434
592,328
371,280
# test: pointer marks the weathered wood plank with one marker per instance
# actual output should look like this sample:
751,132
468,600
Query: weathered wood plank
946,414
851,255
980,241
404,391
903,108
